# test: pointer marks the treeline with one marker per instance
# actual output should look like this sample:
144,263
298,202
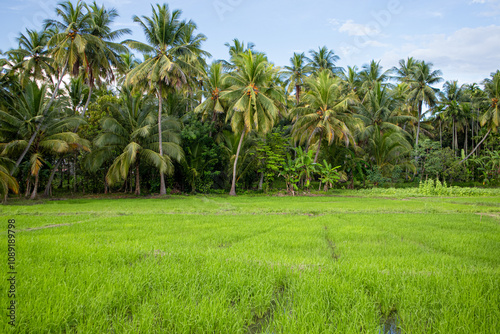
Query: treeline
80,113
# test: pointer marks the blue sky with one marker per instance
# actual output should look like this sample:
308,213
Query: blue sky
461,37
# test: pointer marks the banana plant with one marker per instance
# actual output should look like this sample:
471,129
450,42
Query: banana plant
328,175
290,173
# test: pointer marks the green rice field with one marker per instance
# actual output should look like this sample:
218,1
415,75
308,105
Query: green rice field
261,264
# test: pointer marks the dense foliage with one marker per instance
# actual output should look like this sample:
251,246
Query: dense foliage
78,112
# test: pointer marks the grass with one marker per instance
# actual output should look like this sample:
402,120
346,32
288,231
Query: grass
257,265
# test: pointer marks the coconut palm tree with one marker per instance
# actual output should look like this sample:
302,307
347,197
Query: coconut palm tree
324,59
351,81
255,100
102,54
404,73
325,114
371,75
77,95
379,112
132,130
388,149
213,105
235,49
33,51
421,90
170,58
297,73
67,49
452,98
53,137
491,118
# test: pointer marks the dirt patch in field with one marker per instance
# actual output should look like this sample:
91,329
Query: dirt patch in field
46,226
494,215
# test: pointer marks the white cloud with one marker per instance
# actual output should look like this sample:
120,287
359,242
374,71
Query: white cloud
358,29
355,29
472,52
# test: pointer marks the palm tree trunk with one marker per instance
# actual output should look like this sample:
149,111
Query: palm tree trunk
35,187
51,178
319,147
297,94
440,134
418,121
30,142
214,117
28,186
105,185
466,146
233,185
137,178
472,133
91,88
163,189
74,176
309,140
261,181
475,148
453,135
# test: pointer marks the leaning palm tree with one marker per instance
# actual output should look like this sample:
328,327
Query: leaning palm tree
421,90
170,59
491,118
102,53
255,100
297,73
325,114
67,49
132,130
54,136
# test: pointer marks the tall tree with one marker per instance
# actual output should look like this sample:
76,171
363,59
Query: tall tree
379,113
421,90
171,58
36,62
132,130
102,53
404,73
371,75
491,118
325,114
53,137
254,99
324,59
68,49
297,73
452,97
213,86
